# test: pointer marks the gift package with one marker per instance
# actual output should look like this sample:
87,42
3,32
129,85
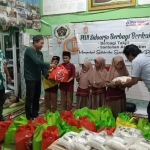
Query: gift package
59,74
83,129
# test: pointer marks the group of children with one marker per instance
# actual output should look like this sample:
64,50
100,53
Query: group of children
95,86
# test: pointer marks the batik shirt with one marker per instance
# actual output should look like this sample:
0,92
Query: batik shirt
2,73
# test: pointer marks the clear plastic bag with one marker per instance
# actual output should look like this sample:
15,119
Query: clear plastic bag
81,141
128,132
123,79
98,140
67,140
140,144
117,142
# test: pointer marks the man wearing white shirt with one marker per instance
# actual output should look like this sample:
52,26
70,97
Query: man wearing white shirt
140,68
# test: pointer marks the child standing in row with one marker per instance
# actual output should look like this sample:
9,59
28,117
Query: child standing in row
83,88
51,93
116,97
67,89
98,83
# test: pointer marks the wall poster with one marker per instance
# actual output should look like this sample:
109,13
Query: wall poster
51,7
20,13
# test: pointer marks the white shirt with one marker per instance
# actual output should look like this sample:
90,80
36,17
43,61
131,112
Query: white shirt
141,68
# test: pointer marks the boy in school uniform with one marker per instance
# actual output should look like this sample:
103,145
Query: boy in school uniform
51,93
67,89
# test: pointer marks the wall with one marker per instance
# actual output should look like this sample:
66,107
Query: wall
130,12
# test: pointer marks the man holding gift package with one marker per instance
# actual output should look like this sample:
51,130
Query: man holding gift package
67,89
33,66
140,68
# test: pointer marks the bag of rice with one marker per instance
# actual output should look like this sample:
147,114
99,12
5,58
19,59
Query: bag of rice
117,142
55,146
130,135
81,141
123,79
67,139
98,140
140,144
108,148
128,132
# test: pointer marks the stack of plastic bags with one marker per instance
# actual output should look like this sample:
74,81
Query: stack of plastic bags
102,117
83,129
124,138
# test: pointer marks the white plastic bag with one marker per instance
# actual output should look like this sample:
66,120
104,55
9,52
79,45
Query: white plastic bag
128,132
140,144
117,142
67,139
98,140
81,141
123,79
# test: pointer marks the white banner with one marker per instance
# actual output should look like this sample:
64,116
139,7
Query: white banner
86,41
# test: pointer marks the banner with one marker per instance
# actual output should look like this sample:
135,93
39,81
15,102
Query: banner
86,41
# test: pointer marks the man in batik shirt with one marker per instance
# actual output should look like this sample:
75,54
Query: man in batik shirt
3,71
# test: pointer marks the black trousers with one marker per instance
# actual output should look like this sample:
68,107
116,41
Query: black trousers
148,111
33,92
2,101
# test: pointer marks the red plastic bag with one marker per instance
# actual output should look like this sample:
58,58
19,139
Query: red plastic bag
108,130
39,120
49,136
85,122
66,114
59,74
4,126
23,136
73,122
69,118
107,68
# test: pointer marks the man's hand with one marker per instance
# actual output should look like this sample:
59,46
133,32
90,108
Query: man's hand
131,82
7,74
113,85
52,65
9,79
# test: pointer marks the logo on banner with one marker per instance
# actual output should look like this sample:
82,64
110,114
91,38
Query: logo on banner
88,59
62,32
137,23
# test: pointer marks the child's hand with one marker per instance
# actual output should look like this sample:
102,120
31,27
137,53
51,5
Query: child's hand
50,70
90,91
118,83
77,74
112,85
121,87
